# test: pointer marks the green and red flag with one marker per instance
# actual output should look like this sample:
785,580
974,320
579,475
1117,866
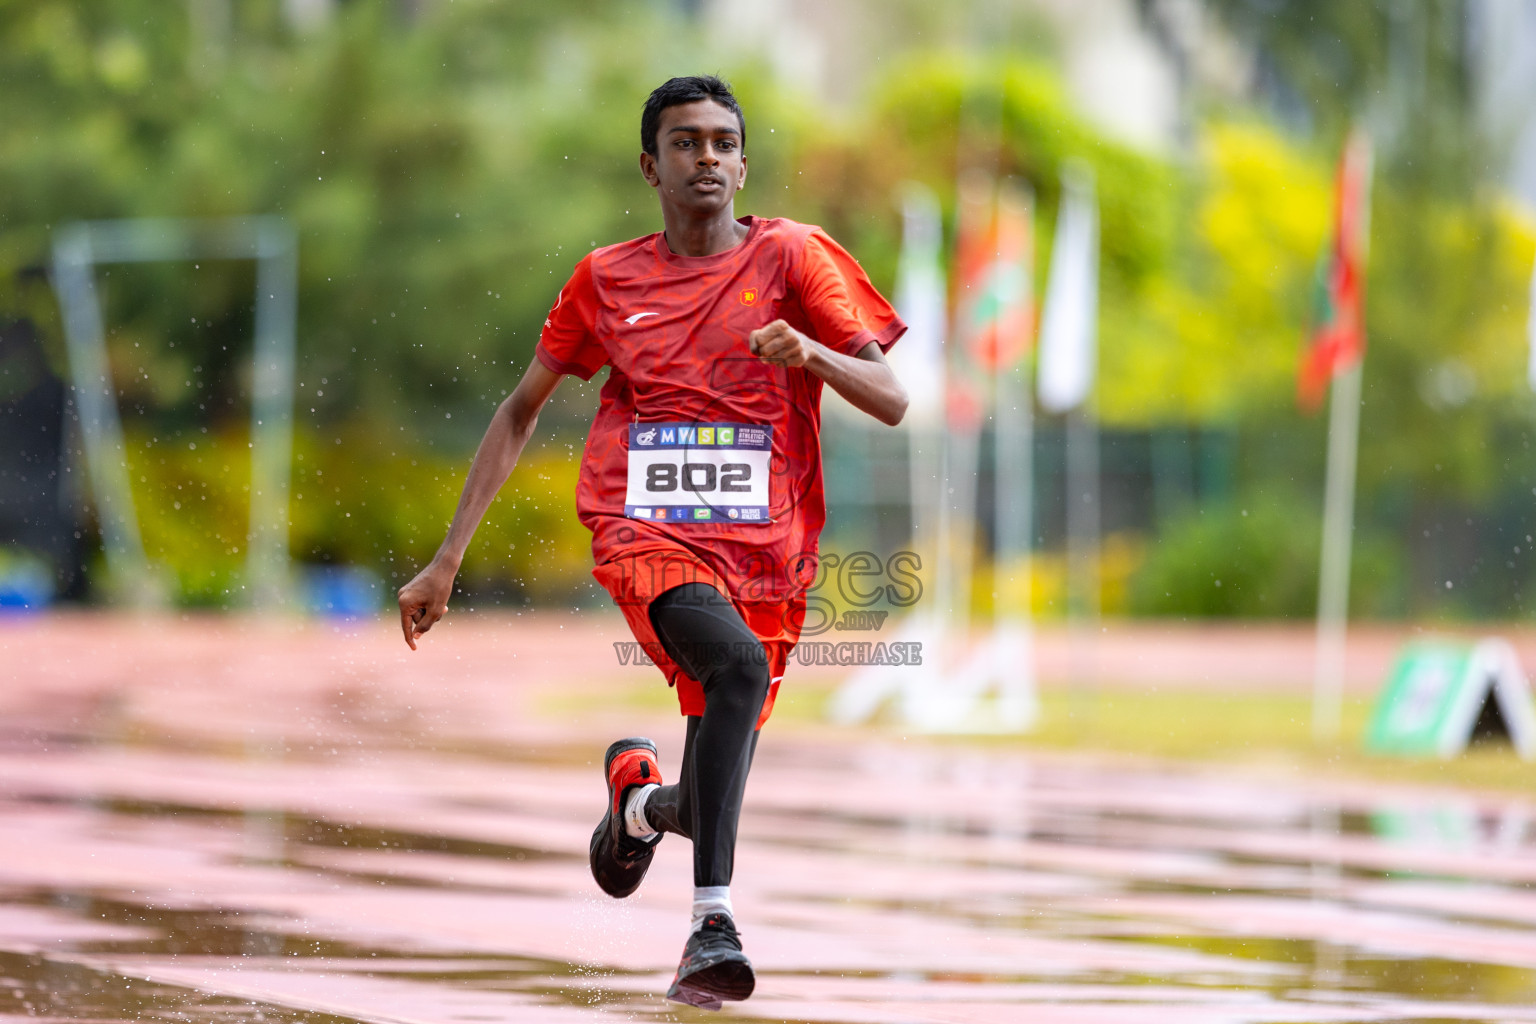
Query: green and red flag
1338,327
993,302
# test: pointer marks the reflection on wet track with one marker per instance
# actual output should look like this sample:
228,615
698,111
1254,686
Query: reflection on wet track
223,821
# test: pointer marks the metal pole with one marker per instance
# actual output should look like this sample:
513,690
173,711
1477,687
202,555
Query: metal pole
272,412
1338,528
271,241
101,432
1083,548
1014,499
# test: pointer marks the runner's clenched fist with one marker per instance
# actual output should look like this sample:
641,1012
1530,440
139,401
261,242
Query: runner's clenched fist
779,344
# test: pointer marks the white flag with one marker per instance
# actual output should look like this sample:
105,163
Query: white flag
919,360
1069,319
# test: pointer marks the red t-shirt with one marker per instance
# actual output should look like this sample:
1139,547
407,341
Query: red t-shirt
674,330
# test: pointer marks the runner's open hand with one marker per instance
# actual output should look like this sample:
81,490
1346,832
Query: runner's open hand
424,600
779,344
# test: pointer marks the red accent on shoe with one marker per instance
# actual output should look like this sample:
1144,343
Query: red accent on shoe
634,767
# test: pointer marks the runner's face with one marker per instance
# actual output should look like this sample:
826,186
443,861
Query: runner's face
699,163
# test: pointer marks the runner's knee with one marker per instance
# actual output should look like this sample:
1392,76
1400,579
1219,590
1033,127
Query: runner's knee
740,681
706,636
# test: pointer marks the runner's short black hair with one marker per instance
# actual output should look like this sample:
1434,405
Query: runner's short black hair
677,91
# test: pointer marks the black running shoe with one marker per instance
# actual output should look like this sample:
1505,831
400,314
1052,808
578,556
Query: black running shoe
714,968
619,860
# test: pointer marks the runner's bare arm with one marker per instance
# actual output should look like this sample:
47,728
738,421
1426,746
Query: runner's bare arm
424,600
865,380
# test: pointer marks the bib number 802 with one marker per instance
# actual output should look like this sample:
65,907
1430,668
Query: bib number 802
698,477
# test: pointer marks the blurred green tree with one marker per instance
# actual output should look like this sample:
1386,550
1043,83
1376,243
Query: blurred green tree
446,171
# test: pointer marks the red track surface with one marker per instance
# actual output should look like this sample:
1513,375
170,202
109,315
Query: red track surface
211,817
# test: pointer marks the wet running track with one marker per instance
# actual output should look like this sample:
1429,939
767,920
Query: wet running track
230,819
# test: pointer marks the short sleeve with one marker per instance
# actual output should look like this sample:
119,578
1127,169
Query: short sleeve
844,309
568,344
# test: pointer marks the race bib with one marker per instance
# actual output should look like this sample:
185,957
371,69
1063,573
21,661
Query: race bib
699,472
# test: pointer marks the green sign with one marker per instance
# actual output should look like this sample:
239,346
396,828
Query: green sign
1442,693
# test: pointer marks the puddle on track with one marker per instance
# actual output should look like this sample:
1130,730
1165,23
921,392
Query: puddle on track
161,865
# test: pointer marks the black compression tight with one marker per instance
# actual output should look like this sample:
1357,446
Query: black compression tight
701,631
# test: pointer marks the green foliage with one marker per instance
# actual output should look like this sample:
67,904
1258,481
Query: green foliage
1445,373
444,176
1406,71
358,499
1256,559
192,501
362,499
1215,335
445,173
1011,118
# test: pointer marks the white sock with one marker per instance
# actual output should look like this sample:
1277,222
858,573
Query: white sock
710,899
634,813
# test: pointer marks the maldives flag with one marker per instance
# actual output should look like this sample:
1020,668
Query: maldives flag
993,301
1338,332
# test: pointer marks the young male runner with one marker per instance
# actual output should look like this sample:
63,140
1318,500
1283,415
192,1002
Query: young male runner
700,482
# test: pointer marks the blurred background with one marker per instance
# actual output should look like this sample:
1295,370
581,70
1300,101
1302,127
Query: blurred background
444,164
208,812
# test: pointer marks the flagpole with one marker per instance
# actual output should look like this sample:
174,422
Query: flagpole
977,216
1083,518
1012,647
1338,529
919,362
920,299
1352,248
1065,375
1013,466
